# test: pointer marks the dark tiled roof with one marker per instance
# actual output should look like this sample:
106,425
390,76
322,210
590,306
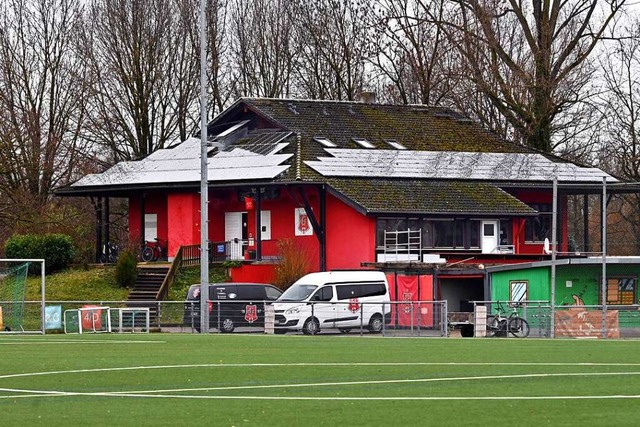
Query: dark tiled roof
415,127
429,197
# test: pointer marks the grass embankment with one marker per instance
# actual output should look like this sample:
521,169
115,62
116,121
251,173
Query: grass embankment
99,284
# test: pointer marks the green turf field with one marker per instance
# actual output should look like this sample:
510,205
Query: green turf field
235,380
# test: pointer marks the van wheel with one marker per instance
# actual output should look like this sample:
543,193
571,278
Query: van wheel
344,330
311,327
376,324
227,326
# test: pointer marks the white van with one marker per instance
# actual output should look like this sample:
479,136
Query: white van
337,299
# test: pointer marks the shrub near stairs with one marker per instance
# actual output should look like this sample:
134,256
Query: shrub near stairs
126,269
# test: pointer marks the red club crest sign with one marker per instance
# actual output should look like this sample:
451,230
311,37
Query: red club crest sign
303,225
251,313
354,305
407,297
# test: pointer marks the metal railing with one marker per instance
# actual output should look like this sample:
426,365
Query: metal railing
402,245
405,318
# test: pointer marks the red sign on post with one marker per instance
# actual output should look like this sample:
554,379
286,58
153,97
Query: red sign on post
248,203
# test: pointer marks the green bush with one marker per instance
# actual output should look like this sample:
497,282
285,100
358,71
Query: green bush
56,249
126,269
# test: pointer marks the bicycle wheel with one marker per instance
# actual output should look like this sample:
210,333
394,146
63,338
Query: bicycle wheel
493,325
518,327
147,253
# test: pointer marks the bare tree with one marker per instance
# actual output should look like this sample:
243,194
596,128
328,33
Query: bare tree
42,106
144,74
261,39
620,104
412,52
333,44
529,59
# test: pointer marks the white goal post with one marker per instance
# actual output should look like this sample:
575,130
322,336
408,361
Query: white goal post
132,319
95,319
28,325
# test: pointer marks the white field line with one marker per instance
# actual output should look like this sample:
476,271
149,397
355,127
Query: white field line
152,393
304,364
23,341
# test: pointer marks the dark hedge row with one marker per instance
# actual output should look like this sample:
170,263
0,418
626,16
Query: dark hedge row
56,249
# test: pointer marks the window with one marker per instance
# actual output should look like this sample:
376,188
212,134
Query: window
272,293
363,143
505,232
324,294
360,290
448,234
518,290
250,292
150,227
621,290
325,141
538,228
395,144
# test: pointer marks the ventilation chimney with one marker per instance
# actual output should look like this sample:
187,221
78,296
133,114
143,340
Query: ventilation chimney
368,97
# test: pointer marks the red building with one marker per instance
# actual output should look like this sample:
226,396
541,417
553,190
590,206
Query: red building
420,191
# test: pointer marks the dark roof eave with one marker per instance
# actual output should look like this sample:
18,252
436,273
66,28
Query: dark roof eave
457,213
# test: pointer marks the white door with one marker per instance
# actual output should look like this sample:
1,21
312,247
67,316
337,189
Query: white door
233,234
489,236
265,225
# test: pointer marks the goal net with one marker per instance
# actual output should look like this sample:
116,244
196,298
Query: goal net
95,319
13,291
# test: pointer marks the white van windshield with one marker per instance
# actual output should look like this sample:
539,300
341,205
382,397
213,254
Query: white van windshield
297,292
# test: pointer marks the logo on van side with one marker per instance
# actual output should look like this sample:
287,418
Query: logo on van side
251,313
354,305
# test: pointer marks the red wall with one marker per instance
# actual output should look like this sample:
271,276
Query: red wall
154,203
350,236
256,273
183,209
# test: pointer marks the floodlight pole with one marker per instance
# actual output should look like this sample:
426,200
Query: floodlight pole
603,289
554,240
204,178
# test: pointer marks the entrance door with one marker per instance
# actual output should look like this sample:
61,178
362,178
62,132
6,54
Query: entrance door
234,233
489,236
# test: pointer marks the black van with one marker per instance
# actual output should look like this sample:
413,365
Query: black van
231,305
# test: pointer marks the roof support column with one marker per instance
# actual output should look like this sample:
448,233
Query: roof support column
318,227
323,226
98,208
258,224
142,236
585,221
107,229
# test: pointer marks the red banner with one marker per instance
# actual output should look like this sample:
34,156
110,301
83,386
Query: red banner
427,311
407,294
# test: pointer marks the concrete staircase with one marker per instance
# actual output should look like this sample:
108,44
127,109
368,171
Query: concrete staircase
146,287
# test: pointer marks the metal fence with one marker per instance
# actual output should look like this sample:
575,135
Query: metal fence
403,318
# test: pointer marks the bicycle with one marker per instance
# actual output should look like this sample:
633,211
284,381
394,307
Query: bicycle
109,253
499,325
152,251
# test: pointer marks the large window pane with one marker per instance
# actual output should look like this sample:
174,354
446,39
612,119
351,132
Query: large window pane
538,228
